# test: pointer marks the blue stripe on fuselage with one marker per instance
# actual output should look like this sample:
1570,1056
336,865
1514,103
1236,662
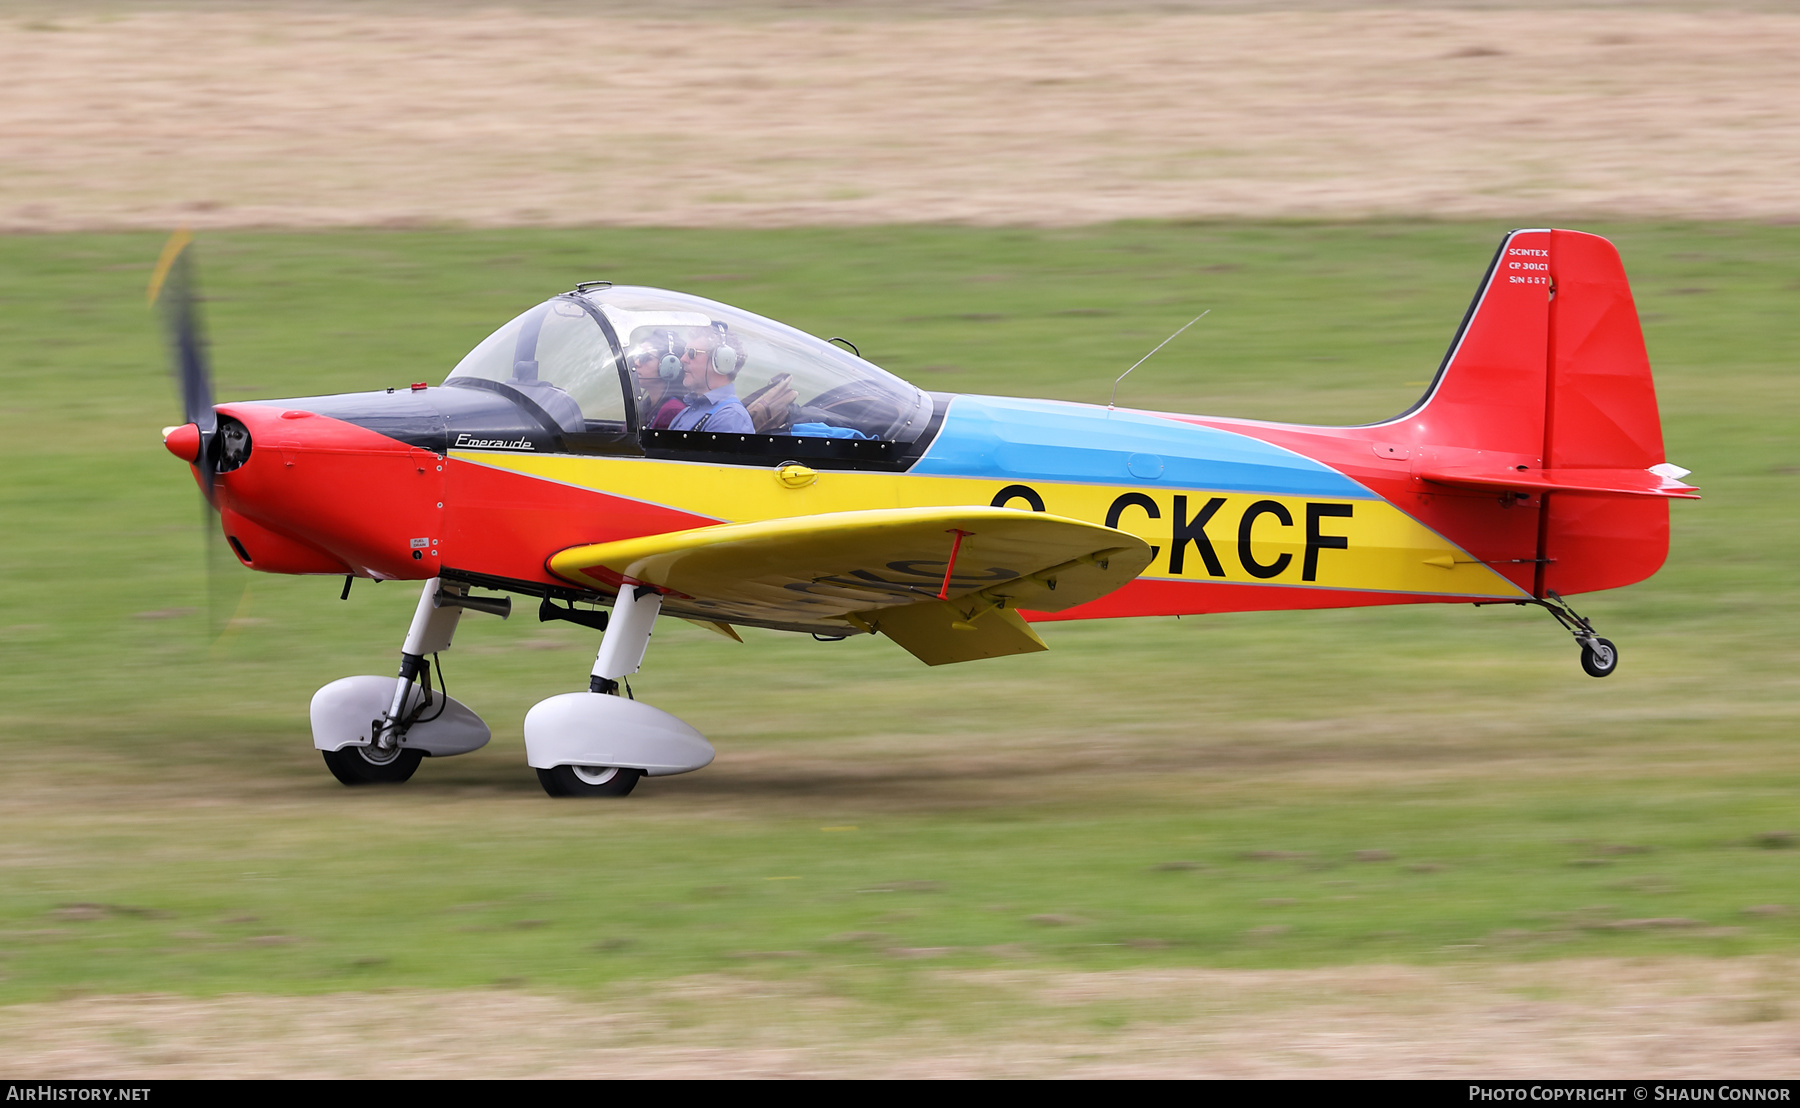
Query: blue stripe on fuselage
1005,438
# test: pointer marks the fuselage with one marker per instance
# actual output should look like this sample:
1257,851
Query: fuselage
612,414
450,482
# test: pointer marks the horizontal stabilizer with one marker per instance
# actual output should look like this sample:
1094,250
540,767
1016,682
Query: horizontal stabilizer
817,570
1587,482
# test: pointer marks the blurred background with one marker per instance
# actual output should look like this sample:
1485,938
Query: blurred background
1379,842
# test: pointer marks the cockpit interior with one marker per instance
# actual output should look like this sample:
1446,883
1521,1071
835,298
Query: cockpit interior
609,363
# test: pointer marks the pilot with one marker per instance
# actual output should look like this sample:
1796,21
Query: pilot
656,366
710,365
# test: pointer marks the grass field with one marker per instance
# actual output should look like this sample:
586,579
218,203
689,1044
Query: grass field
1292,790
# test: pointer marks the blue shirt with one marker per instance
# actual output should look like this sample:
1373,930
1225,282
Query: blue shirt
719,410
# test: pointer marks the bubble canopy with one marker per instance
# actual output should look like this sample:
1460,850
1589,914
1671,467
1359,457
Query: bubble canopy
642,358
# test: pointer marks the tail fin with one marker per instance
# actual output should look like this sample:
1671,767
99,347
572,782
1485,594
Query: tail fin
1546,392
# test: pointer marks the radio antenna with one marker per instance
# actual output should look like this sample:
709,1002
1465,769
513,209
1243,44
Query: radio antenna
1111,401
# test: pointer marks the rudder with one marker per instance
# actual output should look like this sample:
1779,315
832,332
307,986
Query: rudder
1601,411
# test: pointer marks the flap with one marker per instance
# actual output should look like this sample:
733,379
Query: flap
1589,482
806,569
938,633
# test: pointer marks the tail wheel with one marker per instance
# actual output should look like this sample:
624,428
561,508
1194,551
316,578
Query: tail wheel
1599,658
589,780
360,765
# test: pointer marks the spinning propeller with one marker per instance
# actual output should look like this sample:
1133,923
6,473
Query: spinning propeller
172,290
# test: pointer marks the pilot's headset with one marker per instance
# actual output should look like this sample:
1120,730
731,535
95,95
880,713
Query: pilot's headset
726,359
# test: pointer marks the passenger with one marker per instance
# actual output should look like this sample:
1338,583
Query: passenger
656,368
710,366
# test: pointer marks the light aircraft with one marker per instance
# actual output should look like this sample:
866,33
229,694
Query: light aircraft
623,454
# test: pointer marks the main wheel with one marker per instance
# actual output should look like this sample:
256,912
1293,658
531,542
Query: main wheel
1600,659
589,780
354,765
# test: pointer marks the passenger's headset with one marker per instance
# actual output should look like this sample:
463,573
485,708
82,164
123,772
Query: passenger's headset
669,367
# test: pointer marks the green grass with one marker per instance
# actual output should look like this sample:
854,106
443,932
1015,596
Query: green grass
1524,806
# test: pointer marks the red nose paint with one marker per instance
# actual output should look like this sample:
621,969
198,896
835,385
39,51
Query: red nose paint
184,442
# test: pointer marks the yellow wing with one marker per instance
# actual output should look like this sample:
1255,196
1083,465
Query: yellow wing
823,571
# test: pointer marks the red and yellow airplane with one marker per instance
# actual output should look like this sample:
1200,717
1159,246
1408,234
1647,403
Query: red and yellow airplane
654,453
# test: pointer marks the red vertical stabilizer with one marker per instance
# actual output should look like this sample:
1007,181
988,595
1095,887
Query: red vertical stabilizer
1533,447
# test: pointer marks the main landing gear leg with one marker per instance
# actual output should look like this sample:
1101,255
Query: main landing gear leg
384,760
598,743
374,729
627,638
1599,657
433,626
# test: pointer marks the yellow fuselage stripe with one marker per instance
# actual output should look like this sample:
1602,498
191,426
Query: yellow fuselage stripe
1200,535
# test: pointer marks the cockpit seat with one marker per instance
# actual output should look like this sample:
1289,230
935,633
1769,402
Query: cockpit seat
771,407
556,403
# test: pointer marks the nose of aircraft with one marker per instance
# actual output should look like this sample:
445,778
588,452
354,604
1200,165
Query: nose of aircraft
303,492
183,441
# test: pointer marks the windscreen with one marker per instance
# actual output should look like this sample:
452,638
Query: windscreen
555,360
